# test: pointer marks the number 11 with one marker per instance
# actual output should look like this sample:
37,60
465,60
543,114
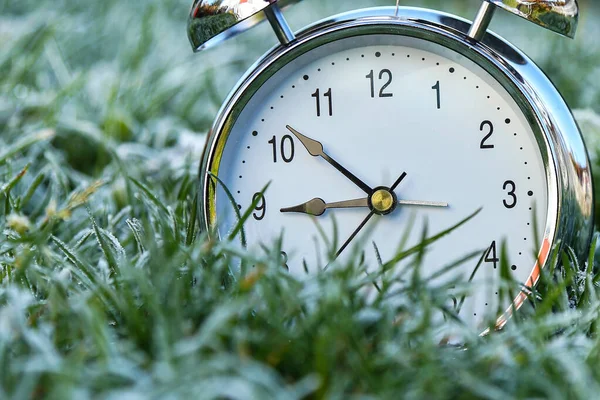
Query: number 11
317,96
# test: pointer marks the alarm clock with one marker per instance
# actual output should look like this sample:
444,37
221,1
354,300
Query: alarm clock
369,134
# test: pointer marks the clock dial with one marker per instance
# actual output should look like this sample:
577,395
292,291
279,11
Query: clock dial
377,136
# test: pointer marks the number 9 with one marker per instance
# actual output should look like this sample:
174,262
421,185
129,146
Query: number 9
261,206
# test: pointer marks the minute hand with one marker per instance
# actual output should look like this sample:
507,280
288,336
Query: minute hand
317,206
315,149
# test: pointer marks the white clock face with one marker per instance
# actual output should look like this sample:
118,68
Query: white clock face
389,109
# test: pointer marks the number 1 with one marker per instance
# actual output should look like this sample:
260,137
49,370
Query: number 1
436,87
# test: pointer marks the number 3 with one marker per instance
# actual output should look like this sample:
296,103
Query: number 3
512,188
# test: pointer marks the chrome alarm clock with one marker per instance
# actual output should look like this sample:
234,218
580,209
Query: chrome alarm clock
367,132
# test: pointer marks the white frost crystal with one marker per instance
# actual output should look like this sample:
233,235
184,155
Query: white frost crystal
18,222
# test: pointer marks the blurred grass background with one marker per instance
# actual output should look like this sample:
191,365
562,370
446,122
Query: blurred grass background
108,290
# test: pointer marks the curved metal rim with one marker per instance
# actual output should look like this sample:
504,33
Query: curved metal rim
551,119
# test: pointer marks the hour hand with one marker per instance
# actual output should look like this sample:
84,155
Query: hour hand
315,149
318,206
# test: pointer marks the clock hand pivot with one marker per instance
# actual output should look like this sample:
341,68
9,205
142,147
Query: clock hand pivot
382,201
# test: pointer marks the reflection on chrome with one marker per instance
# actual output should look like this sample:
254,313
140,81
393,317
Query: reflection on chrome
212,21
560,16
245,8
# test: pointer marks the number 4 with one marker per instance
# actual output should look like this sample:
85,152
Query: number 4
492,255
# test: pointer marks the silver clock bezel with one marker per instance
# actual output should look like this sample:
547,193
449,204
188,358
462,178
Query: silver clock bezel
570,194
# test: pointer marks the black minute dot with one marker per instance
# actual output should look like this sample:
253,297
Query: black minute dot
347,59
423,59
514,267
332,63
507,121
239,206
393,54
437,63
281,96
272,108
530,193
244,162
240,176
305,77
362,55
378,54
452,70
262,120
248,147
255,133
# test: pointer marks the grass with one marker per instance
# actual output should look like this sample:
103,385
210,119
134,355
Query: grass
109,290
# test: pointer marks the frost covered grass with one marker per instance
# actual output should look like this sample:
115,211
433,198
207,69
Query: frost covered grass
109,290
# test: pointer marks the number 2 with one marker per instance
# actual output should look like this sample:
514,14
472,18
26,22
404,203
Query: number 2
490,126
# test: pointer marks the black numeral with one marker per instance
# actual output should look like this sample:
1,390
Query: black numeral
261,206
317,96
286,148
388,82
512,189
436,87
284,260
492,255
490,128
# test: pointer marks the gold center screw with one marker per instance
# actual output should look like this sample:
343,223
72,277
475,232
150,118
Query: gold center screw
382,201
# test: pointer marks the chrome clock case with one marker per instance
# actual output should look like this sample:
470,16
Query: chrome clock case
569,179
